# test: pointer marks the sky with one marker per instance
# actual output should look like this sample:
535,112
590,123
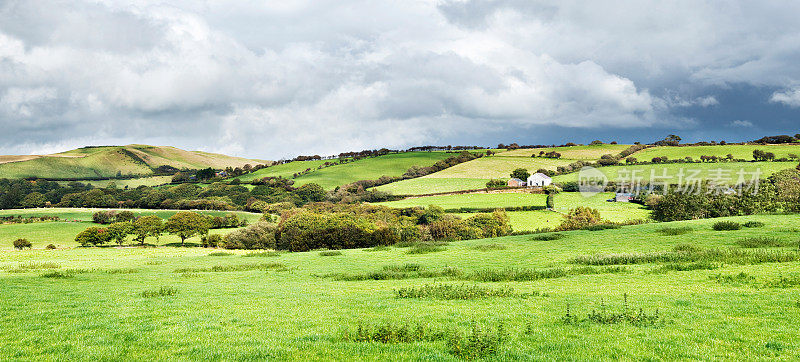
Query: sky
276,79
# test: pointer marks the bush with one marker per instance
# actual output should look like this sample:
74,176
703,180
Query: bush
211,241
726,225
260,235
50,247
579,218
21,244
496,184
753,224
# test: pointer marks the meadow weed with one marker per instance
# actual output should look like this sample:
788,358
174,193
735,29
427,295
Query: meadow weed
452,292
674,231
233,268
753,224
253,254
480,342
220,253
330,253
490,247
726,226
58,274
425,248
548,237
165,291
763,242
702,265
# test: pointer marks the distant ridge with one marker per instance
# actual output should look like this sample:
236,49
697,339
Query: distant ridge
111,161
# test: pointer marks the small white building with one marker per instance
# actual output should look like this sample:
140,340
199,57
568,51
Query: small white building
539,180
515,182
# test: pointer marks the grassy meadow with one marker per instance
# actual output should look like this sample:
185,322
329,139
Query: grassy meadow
431,185
712,300
706,170
62,233
744,152
585,152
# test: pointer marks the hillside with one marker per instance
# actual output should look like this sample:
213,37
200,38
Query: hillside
738,151
110,161
395,164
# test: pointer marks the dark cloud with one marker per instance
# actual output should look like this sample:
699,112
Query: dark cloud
276,79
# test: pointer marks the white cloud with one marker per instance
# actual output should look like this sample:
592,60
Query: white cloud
274,79
741,123
790,97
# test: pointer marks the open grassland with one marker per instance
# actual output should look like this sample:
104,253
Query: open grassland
587,152
430,185
536,219
184,303
62,233
744,152
372,168
110,161
285,170
702,171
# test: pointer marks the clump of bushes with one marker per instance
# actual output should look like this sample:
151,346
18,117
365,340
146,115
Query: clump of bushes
165,291
726,226
50,247
21,244
580,218
548,237
626,314
330,253
674,231
753,224
260,235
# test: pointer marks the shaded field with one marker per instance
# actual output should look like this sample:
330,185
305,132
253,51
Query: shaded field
738,151
706,171
286,307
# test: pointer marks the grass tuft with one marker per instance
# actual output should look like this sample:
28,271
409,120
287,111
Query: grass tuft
674,231
460,292
490,247
165,291
726,226
262,254
330,253
548,237
233,268
220,253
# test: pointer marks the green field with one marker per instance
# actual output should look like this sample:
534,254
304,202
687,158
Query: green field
297,313
430,185
372,168
587,152
93,162
706,171
744,152
62,233
285,170
532,220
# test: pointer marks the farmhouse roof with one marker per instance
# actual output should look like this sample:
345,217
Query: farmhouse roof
541,175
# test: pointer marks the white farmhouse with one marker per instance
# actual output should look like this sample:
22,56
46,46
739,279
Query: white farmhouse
539,180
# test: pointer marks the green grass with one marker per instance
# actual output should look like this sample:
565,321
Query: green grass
586,152
130,183
430,185
62,234
532,220
673,169
285,170
370,168
498,166
738,151
292,313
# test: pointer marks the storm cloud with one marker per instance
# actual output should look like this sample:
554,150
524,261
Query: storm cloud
277,79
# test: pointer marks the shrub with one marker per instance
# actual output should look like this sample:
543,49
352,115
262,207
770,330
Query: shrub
21,244
495,184
330,253
161,292
753,224
480,342
260,235
726,225
425,248
548,237
449,227
50,247
580,217
673,231
211,241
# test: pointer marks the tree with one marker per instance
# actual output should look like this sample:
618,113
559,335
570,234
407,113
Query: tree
521,174
759,155
150,225
118,231
311,193
125,216
205,174
92,236
33,200
186,224
580,217
671,140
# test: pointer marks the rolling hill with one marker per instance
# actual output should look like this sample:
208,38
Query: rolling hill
110,161
738,151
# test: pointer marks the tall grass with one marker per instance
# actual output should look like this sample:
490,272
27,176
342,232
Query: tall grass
728,256
451,292
233,268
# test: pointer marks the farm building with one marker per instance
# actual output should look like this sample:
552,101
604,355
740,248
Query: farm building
623,197
515,182
539,180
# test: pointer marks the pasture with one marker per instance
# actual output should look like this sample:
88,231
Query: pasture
430,185
700,171
285,170
189,303
585,152
62,233
744,152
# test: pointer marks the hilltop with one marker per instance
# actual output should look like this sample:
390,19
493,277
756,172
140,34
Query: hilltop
114,161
